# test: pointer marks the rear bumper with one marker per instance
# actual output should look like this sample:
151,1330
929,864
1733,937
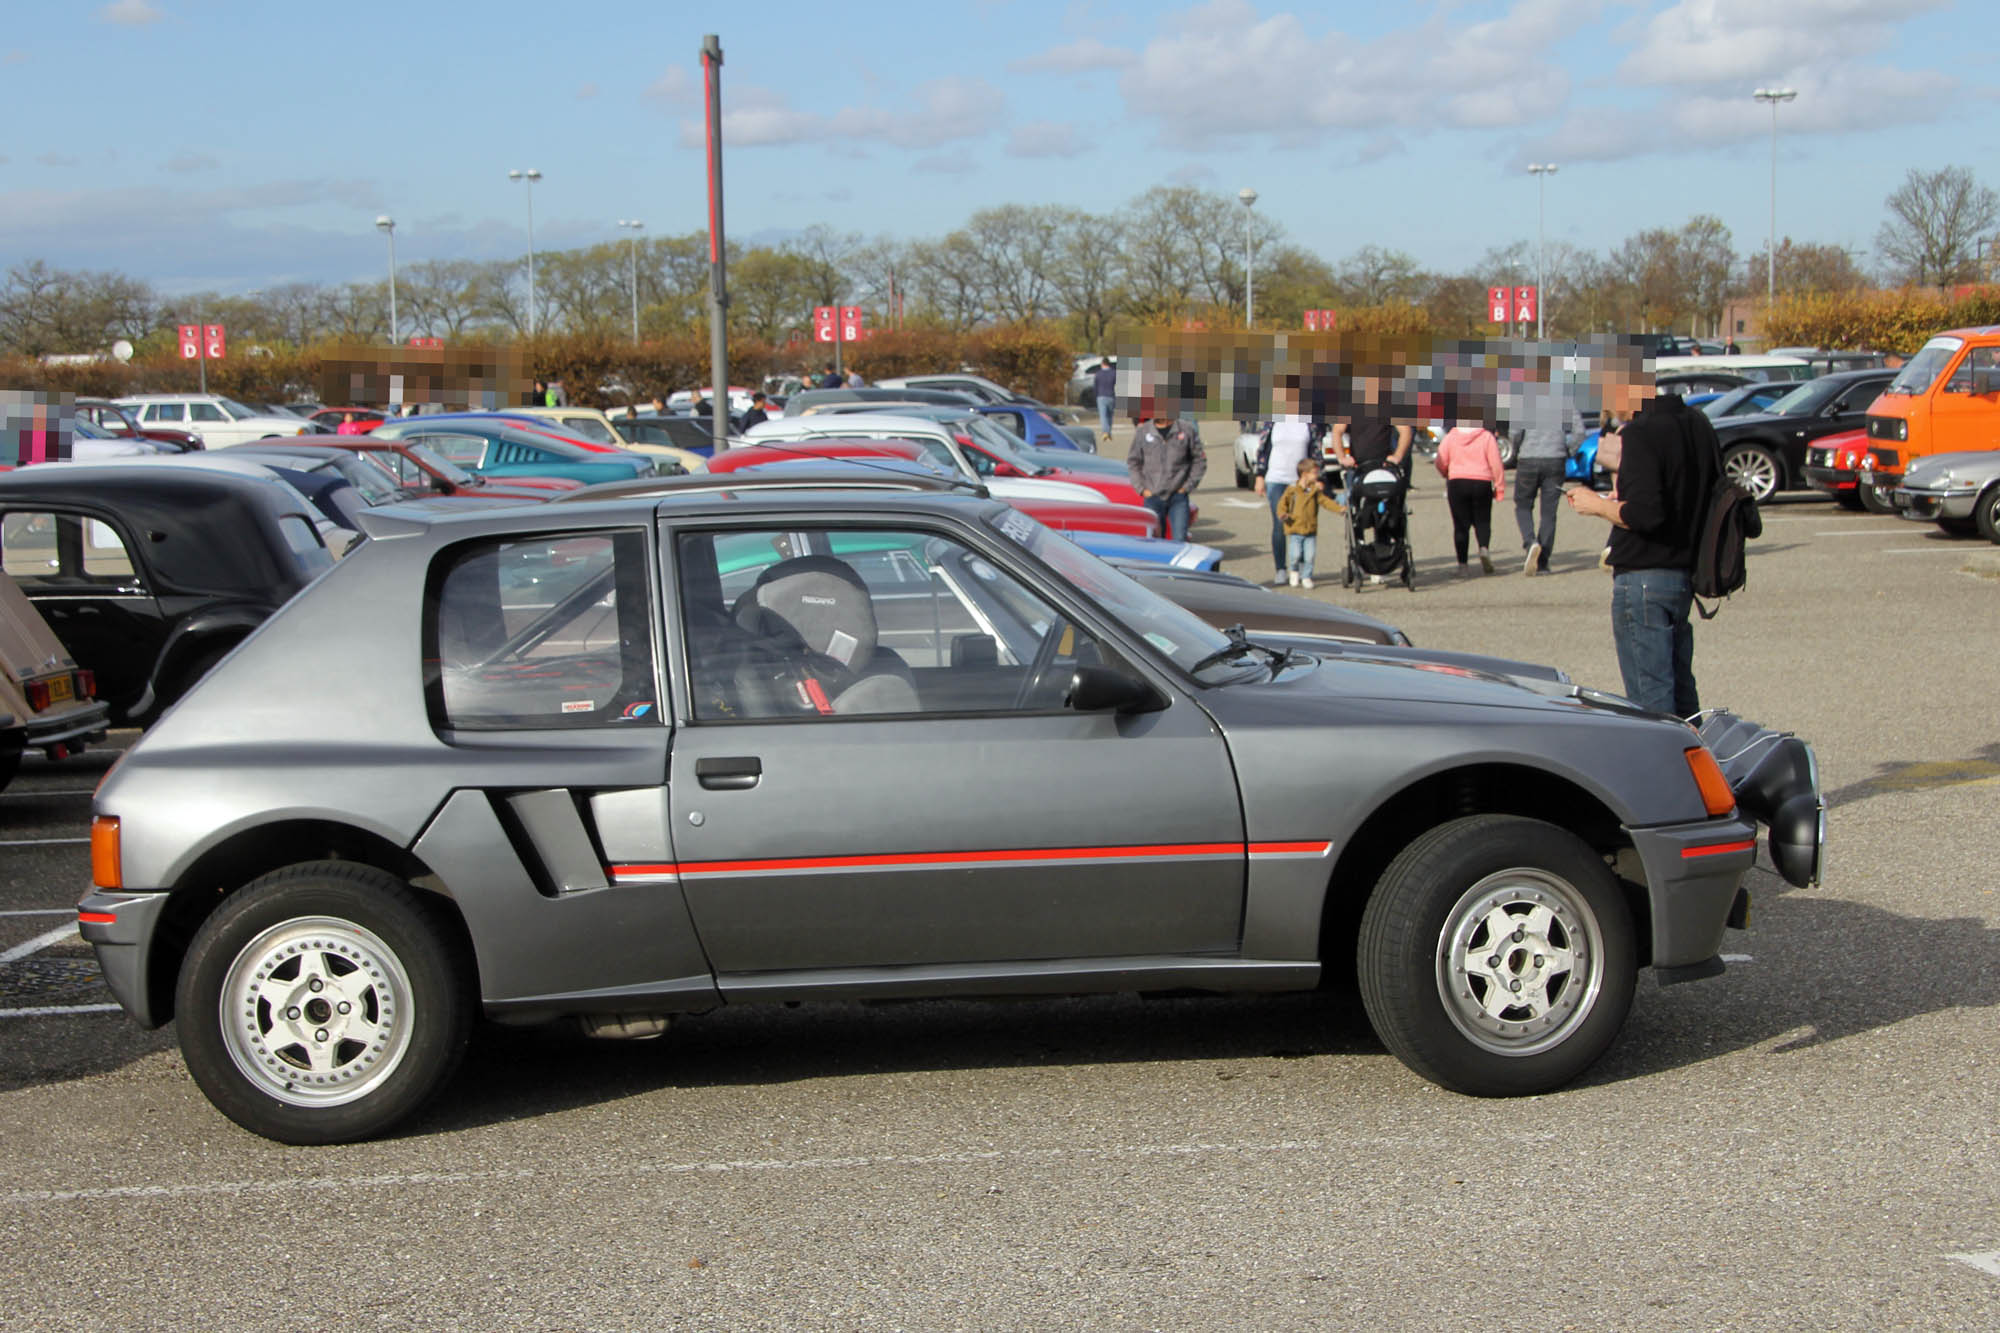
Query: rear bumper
120,926
73,729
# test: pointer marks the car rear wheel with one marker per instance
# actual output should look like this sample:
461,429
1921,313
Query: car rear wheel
1496,956
1874,498
1986,513
322,1004
1754,468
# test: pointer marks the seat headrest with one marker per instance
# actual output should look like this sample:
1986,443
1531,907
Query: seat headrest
820,599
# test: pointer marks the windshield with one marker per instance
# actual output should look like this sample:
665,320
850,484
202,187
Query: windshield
1175,632
236,410
441,465
995,441
1802,401
1927,365
376,486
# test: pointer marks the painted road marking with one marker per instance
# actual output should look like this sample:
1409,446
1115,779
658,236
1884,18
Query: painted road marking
44,842
1238,502
1737,958
39,943
39,911
1986,1261
65,791
61,1009
1856,532
1939,549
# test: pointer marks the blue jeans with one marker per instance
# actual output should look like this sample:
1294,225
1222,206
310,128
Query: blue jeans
1173,512
1543,476
1649,625
1274,492
1300,547
1104,415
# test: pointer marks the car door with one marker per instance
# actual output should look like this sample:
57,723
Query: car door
80,572
958,814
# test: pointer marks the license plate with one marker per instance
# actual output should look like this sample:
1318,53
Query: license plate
61,689
1866,477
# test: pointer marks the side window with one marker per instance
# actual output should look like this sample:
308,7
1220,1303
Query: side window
1857,398
206,412
1011,421
546,631
165,412
406,471
805,624
464,450
1986,359
588,428
70,551
982,462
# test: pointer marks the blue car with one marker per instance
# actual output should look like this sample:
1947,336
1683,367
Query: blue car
499,447
1036,429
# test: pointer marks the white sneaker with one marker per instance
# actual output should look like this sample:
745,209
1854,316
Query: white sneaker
1292,577
1534,558
1306,581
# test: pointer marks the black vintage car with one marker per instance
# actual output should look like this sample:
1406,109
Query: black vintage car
150,574
1766,453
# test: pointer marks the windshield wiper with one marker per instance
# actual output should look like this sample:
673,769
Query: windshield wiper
1239,645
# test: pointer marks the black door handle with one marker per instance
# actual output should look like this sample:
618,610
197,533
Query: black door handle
735,773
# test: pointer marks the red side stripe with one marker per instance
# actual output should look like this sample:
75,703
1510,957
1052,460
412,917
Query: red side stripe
97,918
1280,848
1719,849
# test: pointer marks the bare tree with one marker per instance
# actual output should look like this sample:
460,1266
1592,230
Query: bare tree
1934,219
1803,268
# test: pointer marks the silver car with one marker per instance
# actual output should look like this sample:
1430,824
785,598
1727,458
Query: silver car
623,760
1958,492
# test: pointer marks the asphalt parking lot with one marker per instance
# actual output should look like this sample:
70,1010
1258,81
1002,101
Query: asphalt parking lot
1807,1141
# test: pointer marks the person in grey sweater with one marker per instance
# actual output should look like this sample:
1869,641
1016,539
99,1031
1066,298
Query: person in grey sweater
1166,462
1546,414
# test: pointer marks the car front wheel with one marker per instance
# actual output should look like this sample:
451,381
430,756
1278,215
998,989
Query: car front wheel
1874,498
1754,468
1496,956
322,1004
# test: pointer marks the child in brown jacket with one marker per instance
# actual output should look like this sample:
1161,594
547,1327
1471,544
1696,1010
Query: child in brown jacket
1298,510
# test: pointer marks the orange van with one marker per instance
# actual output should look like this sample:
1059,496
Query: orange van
1945,400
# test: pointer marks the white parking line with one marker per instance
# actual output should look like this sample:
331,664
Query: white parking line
1737,958
1856,532
39,943
1986,1261
60,1009
65,791
43,842
39,911
1922,550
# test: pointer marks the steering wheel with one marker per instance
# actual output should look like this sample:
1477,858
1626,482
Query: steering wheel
1042,669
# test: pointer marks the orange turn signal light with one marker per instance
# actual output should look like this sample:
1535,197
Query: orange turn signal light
105,870
1715,794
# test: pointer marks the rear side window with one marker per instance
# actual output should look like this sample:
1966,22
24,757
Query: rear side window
307,547
588,428
547,631
67,551
165,412
207,412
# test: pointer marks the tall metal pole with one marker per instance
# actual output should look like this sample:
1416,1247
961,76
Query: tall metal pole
1773,96
387,224
1249,198
636,226
718,284
1541,172
530,176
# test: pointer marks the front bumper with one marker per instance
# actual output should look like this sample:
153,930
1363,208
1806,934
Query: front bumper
120,926
1693,874
1834,479
1928,506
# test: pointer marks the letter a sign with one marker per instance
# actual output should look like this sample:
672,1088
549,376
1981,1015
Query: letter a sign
1524,304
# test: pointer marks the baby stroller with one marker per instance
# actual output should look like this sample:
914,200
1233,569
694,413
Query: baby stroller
1378,528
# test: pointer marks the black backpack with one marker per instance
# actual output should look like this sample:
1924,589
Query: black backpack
1728,521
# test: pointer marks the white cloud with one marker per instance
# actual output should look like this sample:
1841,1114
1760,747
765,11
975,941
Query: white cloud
1044,138
1712,43
945,110
130,13
675,86
16,57
1084,56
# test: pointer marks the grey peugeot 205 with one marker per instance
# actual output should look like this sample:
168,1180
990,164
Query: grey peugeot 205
633,758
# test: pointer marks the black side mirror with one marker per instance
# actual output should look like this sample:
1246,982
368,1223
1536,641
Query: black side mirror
1093,689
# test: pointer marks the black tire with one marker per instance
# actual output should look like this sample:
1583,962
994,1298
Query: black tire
1986,513
1754,468
1428,920
329,933
1958,527
10,765
1873,498
1849,500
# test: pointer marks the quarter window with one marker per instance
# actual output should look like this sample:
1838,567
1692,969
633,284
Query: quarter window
165,412
67,551
804,624
206,412
540,632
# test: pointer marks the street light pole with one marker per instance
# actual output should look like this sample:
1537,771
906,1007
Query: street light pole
1249,198
530,176
1541,171
1773,96
387,226
636,227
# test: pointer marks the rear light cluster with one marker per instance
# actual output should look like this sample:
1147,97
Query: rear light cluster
44,692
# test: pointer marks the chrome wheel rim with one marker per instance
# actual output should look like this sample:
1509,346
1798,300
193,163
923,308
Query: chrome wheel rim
316,1012
1753,470
1520,962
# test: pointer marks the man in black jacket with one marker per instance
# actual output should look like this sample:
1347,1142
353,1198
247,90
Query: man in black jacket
1671,463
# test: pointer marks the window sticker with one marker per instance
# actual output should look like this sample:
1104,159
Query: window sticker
578,706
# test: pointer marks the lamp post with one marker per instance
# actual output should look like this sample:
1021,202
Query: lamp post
1541,171
1249,198
636,227
530,176
387,226
1773,96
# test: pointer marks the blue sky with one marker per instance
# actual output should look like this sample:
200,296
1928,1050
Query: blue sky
228,144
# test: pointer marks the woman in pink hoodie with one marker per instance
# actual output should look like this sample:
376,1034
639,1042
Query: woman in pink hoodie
1469,458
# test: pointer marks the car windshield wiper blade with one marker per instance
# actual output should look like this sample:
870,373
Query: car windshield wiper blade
1240,645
